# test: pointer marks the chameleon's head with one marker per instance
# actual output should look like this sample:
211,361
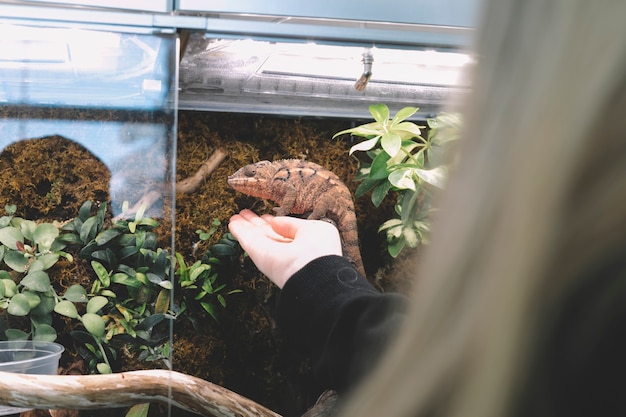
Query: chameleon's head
253,179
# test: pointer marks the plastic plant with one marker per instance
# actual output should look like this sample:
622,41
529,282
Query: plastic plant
402,161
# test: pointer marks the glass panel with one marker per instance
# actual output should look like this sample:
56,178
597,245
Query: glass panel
89,115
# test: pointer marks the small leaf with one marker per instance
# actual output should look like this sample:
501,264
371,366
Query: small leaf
103,368
44,235
19,305
9,236
45,307
33,299
162,303
44,333
402,179
380,192
94,324
102,273
76,294
66,308
36,281
106,236
391,142
138,410
15,260
366,145
96,304
380,112
436,176
88,229
403,114
85,210
16,334
378,170
10,288
48,260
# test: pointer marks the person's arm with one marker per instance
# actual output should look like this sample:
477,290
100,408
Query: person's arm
331,313
326,309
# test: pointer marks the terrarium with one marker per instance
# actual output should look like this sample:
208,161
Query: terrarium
120,123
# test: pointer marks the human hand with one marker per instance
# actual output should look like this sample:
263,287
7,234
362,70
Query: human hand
281,246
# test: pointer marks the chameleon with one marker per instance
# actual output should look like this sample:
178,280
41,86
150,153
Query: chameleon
300,187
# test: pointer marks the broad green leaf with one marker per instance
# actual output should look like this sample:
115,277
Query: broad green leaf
33,299
380,192
407,130
45,333
96,304
402,179
45,307
9,236
436,176
10,288
44,236
16,260
380,112
27,227
76,294
366,145
36,281
89,229
66,308
378,170
84,210
106,236
19,305
94,324
391,143
403,114
394,248
16,334
47,260
365,186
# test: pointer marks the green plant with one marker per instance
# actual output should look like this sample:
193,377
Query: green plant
199,280
29,250
403,161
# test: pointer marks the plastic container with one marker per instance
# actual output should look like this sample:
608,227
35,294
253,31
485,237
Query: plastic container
28,357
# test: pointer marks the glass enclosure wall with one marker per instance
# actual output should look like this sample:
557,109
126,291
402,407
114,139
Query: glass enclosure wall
87,141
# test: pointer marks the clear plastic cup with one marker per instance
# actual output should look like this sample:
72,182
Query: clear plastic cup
28,357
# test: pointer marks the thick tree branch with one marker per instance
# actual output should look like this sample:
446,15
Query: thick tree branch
81,392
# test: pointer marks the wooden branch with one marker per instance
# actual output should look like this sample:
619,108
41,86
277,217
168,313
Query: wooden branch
82,392
187,185
191,184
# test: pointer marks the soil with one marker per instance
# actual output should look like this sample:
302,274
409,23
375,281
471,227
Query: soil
49,178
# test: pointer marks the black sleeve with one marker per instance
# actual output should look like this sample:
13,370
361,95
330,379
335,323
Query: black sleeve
331,313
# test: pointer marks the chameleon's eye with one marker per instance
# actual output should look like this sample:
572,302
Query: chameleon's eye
249,171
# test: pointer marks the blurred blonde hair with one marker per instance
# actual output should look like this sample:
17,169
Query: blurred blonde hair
536,203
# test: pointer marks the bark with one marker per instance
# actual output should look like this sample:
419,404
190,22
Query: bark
81,392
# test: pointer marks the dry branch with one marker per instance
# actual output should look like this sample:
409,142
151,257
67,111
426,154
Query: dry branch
82,392
187,185
191,184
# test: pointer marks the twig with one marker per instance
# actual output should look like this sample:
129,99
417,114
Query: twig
187,185
191,184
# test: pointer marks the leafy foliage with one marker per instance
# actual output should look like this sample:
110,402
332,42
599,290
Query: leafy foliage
404,162
130,301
